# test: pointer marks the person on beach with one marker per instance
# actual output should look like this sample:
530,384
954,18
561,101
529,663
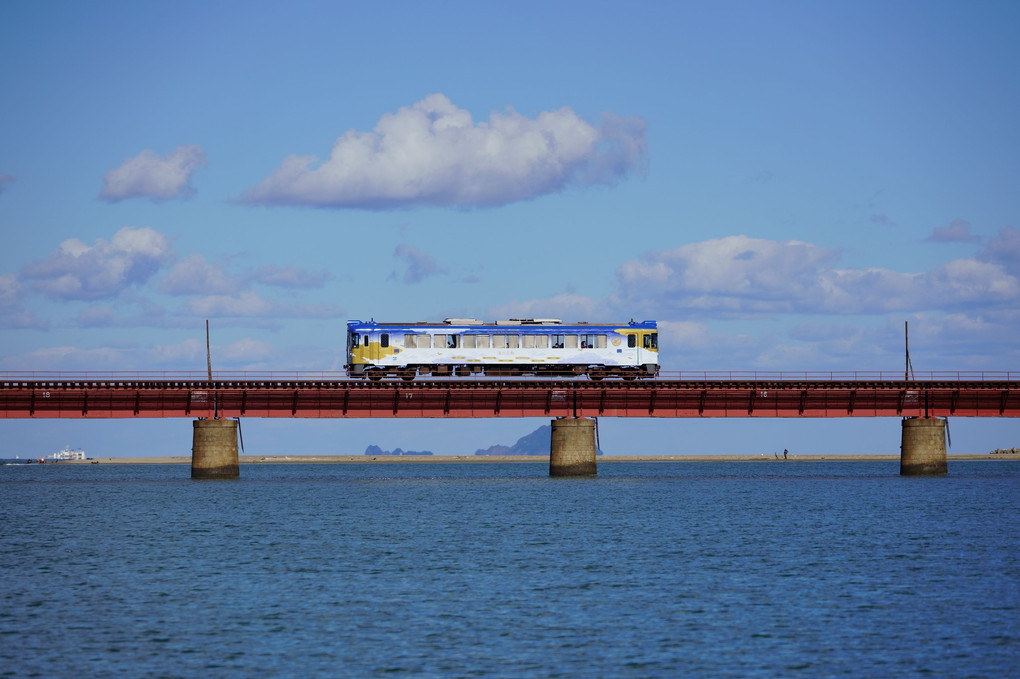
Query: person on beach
785,451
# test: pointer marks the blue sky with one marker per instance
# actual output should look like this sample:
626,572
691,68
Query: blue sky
781,185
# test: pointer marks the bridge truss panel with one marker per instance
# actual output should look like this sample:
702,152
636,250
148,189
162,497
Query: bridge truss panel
520,398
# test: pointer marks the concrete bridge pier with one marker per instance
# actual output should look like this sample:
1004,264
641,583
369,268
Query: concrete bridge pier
923,448
214,450
572,448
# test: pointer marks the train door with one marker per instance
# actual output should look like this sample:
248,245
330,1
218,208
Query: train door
371,348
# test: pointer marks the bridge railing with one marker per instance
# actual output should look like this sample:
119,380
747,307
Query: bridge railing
665,375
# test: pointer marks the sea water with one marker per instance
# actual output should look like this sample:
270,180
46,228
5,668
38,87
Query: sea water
736,569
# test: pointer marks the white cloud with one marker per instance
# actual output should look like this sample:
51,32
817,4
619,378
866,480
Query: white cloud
194,276
79,271
741,275
248,304
10,292
418,265
967,309
291,277
12,315
244,350
1004,249
67,358
148,175
188,355
958,231
567,306
735,274
433,153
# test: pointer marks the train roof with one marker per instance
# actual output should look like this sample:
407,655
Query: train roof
512,322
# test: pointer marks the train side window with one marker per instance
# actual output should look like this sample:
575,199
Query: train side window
481,341
528,342
587,341
631,341
410,342
451,341
557,341
570,341
441,341
424,342
600,341
499,341
355,340
384,340
542,341
513,341
468,341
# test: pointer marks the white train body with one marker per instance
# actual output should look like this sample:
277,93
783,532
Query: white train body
515,347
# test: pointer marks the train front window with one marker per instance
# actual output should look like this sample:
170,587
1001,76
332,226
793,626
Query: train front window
651,341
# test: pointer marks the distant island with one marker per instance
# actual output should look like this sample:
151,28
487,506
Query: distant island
376,450
535,443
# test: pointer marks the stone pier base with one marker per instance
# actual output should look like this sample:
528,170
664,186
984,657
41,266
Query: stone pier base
572,448
214,450
923,451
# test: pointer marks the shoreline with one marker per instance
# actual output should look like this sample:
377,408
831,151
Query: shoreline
544,459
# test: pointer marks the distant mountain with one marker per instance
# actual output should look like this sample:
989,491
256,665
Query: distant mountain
535,443
376,450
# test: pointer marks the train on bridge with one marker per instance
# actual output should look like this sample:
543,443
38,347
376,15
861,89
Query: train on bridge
467,347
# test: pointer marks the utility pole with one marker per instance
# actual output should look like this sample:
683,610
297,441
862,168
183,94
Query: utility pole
208,356
908,370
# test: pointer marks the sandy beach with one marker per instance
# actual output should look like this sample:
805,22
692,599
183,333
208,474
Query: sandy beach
542,459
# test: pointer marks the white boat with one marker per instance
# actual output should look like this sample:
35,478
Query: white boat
66,454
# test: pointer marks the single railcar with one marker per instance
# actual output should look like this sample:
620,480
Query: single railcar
517,347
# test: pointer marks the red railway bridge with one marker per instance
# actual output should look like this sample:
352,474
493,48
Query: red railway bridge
673,395
216,404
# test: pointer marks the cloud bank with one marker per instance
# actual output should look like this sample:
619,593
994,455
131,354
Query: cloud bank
432,153
78,271
148,175
738,275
